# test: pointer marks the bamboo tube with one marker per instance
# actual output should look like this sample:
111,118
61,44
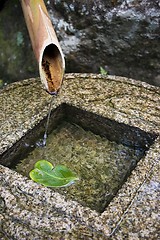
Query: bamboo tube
45,44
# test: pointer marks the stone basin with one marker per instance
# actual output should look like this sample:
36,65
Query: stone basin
119,109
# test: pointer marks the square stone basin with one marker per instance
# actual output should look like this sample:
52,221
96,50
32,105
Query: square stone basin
106,129
101,151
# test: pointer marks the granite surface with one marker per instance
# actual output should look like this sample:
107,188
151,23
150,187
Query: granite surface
30,211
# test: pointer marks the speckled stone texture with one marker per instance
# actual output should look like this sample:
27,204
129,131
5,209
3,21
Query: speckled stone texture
30,211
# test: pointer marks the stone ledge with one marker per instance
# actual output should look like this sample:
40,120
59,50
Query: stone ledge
29,210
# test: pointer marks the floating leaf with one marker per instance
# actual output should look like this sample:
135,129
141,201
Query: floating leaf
45,174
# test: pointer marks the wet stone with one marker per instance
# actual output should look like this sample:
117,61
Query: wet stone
121,36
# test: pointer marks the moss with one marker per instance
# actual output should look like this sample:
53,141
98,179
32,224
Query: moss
14,47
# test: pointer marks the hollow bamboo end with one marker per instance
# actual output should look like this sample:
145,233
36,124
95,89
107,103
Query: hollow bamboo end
51,68
45,44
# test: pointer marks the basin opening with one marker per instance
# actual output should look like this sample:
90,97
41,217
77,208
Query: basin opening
101,151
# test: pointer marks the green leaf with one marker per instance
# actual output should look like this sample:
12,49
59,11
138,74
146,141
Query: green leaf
45,174
103,71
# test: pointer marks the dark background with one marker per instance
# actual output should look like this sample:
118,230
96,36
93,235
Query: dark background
121,36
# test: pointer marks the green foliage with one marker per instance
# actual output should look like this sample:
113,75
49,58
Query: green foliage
20,39
103,71
45,174
1,83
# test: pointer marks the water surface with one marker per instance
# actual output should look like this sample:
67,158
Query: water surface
102,165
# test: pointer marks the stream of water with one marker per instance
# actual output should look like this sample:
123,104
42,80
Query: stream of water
42,142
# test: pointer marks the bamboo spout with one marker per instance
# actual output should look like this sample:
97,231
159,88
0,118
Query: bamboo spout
45,44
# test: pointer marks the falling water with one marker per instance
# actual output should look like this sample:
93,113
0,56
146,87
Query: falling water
42,142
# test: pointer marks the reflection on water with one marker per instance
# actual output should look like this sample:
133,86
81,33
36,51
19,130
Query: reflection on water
101,165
